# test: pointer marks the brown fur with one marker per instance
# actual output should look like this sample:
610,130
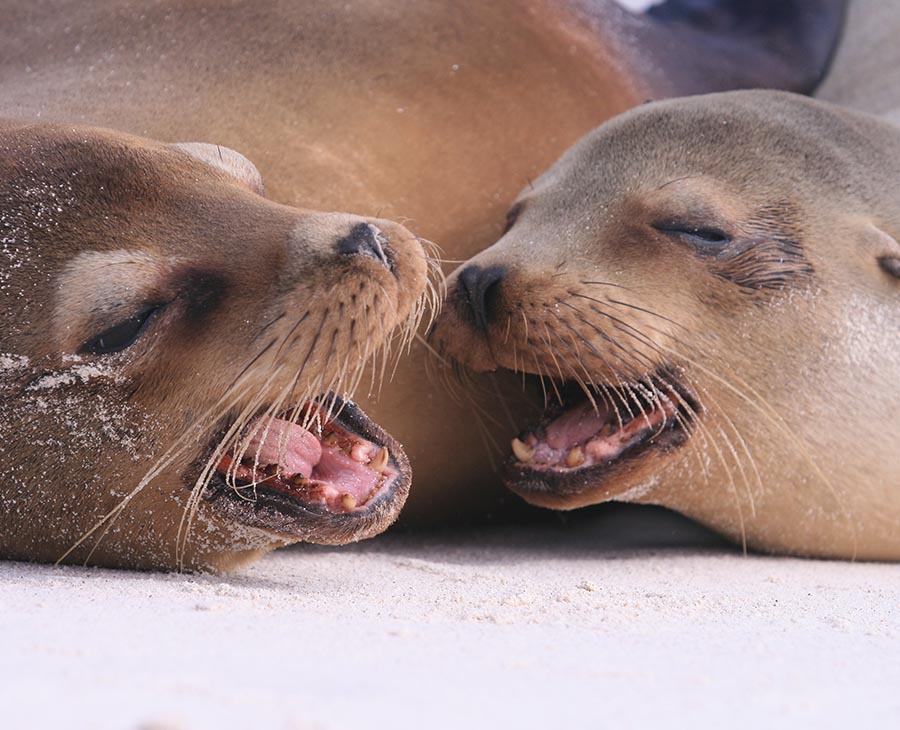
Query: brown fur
427,111
94,224
784,338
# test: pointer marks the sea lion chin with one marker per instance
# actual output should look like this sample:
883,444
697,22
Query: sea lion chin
174,352
700,286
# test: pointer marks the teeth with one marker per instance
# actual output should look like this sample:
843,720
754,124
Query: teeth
348,501
298,480
380,460
522,451
575,457
360,453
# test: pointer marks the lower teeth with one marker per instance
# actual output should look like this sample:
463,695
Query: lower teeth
575,457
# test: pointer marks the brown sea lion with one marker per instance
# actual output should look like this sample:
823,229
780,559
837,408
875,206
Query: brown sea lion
428,111
173,344
709,289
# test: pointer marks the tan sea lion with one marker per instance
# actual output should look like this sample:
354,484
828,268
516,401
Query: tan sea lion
709,290
173,344
428,111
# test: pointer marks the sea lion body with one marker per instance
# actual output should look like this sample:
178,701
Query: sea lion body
160,321
430,112
716,272
865,72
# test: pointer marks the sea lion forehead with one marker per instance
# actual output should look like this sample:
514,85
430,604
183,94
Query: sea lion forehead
52,149
758,144
95,167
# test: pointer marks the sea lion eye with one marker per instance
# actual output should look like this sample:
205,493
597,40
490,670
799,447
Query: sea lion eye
512,216
705,238
120,336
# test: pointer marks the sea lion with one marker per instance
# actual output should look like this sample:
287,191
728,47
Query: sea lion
709,290
173,349
427,111
865,71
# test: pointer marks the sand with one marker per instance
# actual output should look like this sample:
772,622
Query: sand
618,618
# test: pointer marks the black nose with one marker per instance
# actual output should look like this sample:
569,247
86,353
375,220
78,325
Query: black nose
365,239
478,287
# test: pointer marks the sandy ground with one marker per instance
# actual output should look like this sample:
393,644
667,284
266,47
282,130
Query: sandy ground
618,618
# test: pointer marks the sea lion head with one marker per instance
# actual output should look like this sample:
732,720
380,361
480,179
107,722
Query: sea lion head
175,354
704,290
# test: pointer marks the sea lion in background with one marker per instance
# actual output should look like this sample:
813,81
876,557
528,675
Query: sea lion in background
710,289
865,72
427,111
172,343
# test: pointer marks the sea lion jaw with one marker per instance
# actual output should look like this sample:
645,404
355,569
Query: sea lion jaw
141,355
339,480
616,406
599,445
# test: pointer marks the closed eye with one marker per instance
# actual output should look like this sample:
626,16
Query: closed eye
122,335
512,216
706,238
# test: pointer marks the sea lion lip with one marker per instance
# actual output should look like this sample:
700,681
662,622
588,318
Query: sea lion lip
290,518
534,484
541,483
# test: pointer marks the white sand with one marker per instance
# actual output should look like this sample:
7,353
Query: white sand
595,623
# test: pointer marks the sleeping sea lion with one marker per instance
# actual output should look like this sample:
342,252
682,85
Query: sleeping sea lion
173,350
709,291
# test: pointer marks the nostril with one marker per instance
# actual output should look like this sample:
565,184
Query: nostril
478,287
365,239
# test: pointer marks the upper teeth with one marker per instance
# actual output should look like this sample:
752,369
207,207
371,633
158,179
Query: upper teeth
522,451
360,453
380,460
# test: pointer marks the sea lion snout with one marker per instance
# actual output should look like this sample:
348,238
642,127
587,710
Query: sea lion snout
465,328
366,240
476,288
356,243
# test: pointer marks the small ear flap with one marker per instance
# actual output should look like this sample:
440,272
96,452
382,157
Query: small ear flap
227,160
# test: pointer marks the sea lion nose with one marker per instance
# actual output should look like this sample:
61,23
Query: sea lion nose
365,239
477,288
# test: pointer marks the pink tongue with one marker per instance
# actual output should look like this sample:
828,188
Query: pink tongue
338,468
294,449
576,425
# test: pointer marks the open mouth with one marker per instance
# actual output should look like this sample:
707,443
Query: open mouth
591,434
325,462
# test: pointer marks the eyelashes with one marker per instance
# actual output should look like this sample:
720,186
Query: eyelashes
122,335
